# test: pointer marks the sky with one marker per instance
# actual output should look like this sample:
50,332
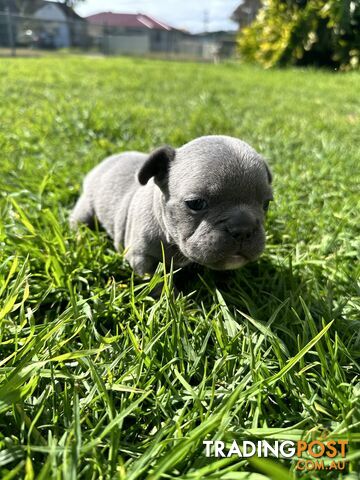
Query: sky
187,14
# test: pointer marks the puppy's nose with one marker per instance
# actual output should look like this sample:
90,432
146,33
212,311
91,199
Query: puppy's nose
242,225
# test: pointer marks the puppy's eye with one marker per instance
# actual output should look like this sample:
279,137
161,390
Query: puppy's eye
196,205
266,205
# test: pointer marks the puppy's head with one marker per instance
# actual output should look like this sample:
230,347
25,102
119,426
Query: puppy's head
215,193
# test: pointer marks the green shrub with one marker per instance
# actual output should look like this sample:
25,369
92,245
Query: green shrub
304,32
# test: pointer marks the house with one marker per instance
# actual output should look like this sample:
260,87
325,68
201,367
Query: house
134,33
246,12
218,45
54,25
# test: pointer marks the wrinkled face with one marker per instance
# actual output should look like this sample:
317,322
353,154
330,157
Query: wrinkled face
214,204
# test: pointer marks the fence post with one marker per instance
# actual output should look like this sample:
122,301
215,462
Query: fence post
10,31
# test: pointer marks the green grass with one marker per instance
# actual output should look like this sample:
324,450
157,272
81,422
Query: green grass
98,379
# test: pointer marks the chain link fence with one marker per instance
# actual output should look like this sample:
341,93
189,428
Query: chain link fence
25,35
21,34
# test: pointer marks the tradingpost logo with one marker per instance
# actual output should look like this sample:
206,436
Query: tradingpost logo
314,455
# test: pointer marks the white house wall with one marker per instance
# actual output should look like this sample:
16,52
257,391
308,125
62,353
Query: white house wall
127,44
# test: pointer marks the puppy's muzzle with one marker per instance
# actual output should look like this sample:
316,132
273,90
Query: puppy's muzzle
242,226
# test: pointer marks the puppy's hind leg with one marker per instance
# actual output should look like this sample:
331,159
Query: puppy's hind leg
82,213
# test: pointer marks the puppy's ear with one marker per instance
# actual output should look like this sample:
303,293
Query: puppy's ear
268,171
157,165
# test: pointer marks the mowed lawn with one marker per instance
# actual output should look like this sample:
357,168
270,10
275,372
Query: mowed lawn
100,380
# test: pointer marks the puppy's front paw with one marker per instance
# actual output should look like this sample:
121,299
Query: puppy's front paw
142,264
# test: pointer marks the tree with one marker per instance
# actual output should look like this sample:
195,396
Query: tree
72,3
304,32
24,5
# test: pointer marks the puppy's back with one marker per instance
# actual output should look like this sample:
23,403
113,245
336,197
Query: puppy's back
109,186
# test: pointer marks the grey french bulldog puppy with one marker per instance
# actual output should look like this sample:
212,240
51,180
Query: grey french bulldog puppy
205,202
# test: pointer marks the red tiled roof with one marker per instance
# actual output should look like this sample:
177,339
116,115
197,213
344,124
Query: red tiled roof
128,20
